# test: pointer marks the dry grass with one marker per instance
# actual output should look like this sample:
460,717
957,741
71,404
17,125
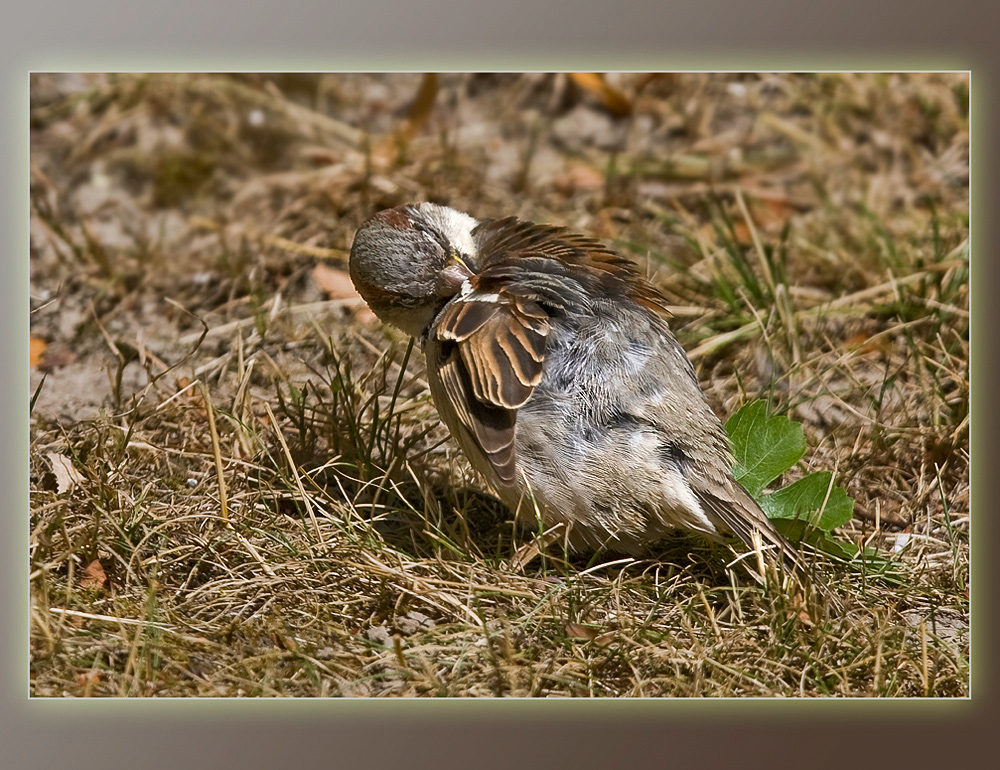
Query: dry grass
240,486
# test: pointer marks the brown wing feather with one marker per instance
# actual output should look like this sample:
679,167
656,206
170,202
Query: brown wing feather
492,368
490,428
504,243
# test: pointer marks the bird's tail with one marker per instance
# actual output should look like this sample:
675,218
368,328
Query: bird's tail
740,514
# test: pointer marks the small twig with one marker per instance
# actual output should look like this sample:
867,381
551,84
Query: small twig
847,304
311,307
287,244
780,296
721,340
217,452
885,517
293,469
253,552
177,394
104,333
132,622
924,668
604,565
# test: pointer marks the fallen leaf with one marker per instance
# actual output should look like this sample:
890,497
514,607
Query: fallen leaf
579,177
742,233
773,213
88,680
803,614
188,395
613,100
577,631
337,284
708,236
668,79
319,156
37,349
67,476
56,356
865,343
284,642
386,152
93,576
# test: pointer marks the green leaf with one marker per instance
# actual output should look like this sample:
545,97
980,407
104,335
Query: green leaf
764,447
804,501
808,510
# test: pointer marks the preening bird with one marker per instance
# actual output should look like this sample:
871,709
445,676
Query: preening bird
551,362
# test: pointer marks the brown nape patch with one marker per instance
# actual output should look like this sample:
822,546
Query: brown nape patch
397,218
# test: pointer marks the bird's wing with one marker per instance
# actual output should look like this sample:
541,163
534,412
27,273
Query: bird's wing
510,248
490,348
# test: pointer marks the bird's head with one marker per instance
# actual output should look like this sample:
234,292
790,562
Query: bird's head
407,262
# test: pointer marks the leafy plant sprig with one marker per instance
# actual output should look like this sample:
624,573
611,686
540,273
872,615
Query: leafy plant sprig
805,511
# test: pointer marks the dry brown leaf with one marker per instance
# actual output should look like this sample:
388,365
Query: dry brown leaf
613,100
190,396
37,348
669,79
56,356
579,177
88,679
865,343
742,233
770,214
708,236
577,631
335,283
338,285
284,642
803,614
67,476
773,212
93,576
387,150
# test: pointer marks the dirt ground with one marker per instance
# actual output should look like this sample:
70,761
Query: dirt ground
223,505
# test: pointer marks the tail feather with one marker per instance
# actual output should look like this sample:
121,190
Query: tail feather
741,515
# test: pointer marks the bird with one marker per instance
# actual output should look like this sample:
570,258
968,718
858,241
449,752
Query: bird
551,361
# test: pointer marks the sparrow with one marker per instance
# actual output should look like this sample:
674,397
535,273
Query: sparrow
551,362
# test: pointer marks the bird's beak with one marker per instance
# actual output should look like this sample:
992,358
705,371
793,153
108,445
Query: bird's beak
453,275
